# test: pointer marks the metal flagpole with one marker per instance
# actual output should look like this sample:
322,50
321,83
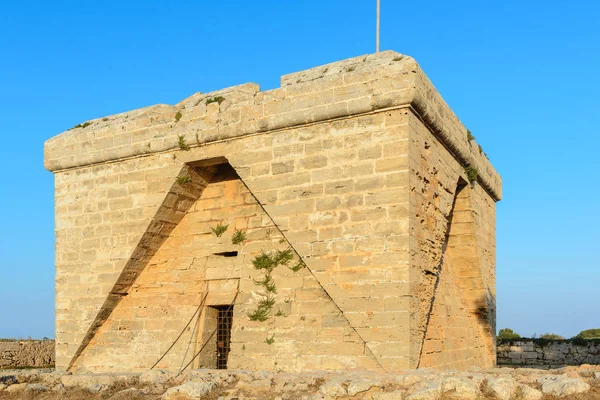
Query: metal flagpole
377,35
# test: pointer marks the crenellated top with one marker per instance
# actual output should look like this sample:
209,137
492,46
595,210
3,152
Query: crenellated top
345,88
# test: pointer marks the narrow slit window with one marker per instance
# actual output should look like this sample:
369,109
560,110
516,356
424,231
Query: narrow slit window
227,254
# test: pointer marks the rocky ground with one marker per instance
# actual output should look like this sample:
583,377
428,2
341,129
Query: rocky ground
574,383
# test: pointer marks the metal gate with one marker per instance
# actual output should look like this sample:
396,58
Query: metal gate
224,321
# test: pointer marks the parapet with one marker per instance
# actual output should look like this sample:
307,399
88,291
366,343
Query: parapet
359,85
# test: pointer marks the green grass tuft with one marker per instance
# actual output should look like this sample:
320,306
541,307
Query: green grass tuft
298,266
270,340
260,315
183,180
219,230
472,173
280,313
178,116
470,136
238,237
215,99
182,143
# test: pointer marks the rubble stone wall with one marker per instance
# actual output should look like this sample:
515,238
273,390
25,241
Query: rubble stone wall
26,353
542,353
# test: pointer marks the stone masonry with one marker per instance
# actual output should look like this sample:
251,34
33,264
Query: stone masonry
26,353
356,169
551,354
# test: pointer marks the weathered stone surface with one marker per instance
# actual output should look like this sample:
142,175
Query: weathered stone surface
395,395
18,387
428,391
189,390
155,377
8,378
357,386
95,382
333,388
562,386
525,392
36,387
460,388
502,387
496,383
127,394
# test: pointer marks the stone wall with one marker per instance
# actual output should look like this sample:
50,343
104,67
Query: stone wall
356,166
556,353
26,353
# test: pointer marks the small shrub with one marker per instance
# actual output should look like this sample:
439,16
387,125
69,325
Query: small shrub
84,125
551,336
480,149
470,136
105,119
238,236
589,334
267,302
215,99
183,180
260,315
270,340
219,230
397,58
508,334
178,116
182,143
350,69
268,261
267,282
472,173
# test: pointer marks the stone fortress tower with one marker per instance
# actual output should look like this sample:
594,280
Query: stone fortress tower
345,220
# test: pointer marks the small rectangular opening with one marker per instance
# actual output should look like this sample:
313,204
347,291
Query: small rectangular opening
227,254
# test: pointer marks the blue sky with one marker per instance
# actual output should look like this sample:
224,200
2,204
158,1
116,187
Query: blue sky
522,76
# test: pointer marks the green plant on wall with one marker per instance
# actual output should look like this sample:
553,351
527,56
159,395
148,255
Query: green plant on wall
84,125
470,136
183,180
267,262
270,340
182,143
219,230
238,237
215,99
472,173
